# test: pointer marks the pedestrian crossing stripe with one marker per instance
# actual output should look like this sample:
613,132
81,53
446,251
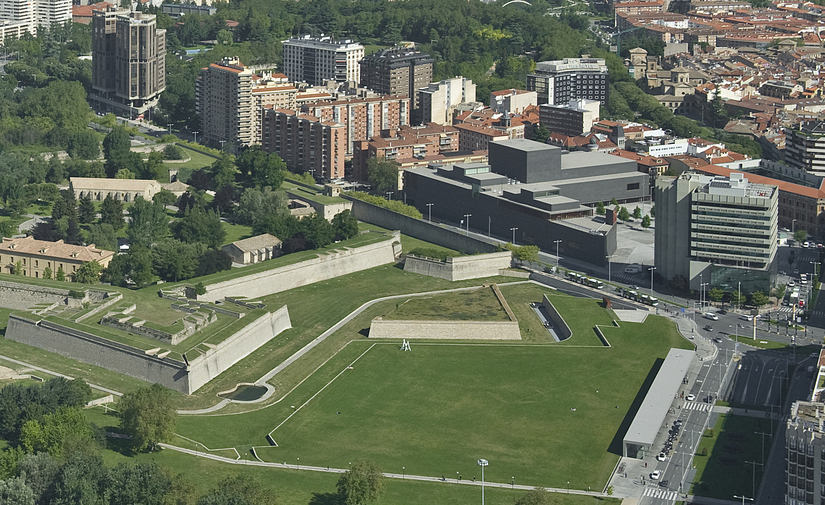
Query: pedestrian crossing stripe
662,494
703,407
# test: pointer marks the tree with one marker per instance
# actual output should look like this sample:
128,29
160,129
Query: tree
61,433
81,480
600,209
86,210
653,211
800,235
646,222
173,260
256,204
148,223
260,169
117,141
213,260
541,134
141,270
14,491
624,215
111,212
165,197
103,236
88,273
39,471
202,226
382,174
60,275
363,483
46,230
637,213
537,496
83,145
317,230
345,225
736,298
758,299
716,295
238,490
144,482
147,415
173,152
47,273
72,235
223,171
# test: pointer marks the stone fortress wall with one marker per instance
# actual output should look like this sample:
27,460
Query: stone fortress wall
445,330
324,267
460,268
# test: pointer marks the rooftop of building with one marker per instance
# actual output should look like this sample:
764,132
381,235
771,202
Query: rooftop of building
322,41
112,184
785,186
808,414
58,250
257,242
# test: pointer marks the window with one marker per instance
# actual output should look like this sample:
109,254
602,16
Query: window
633,186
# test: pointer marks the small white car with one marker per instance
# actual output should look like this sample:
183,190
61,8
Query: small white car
661,457
791,284
655,475
690,397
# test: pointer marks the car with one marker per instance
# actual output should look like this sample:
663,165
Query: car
803,281
655,475
708,327
690,397
746,317
711,316
791,284
722,311
661,457
806,244
718,340
663,483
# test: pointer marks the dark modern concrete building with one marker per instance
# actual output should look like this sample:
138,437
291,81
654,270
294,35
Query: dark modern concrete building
558,82
543,191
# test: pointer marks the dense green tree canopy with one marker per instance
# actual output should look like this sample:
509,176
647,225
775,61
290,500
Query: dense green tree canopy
148,416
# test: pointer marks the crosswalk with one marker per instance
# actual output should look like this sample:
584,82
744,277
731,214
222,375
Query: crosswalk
698,406
660,493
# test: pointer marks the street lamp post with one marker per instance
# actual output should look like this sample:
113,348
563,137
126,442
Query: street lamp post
651,280
389,195
430,212
743,496
739,297
403,472
514,234
482,463
609,258
196,136
702,294
467,217
557,252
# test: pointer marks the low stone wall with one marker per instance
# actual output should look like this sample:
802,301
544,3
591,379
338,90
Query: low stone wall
460,268
445,330
183,377
191,325
562,330
14,295
101,307
324,267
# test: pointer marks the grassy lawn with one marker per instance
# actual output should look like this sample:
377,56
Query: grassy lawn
409,244
477,305
315,195
236,232
196,162
434,409
723,473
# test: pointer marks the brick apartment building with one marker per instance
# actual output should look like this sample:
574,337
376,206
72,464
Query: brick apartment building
399,71
306,143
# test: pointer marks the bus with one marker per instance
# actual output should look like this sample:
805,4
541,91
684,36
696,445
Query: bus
594,283
573,276
639,297
649,300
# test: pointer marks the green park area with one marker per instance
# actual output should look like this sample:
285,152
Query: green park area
721,458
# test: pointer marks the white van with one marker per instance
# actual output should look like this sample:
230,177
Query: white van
711,315
633,269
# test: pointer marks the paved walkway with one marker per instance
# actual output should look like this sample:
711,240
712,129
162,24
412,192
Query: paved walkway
424,478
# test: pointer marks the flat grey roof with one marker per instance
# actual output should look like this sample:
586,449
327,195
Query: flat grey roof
526,145
657,402
581,159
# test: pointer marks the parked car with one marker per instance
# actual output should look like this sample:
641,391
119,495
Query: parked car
661,457
691,397
722,311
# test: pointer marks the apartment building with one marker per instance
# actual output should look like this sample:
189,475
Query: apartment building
128,61
399,71
512,101
557,82
33,257
438,100
363,118
476,138
805,147
20,16
805,454
306,143
223,97
723,229
573,118
404,145
316,60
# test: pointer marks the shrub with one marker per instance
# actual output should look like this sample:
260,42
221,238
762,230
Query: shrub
76,293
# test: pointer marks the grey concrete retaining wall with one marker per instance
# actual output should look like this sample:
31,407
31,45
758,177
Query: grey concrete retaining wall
168,372
101,307
15,295
461,267
240,345
562,330
418,228
445,330
325,266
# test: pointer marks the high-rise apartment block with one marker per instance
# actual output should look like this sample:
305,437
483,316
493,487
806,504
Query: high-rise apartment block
316,60
363,118
21,16
805,147
558,82
399,71
717,229
128,61
305,143
438,101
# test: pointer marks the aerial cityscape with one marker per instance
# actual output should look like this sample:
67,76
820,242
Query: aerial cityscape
330,252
